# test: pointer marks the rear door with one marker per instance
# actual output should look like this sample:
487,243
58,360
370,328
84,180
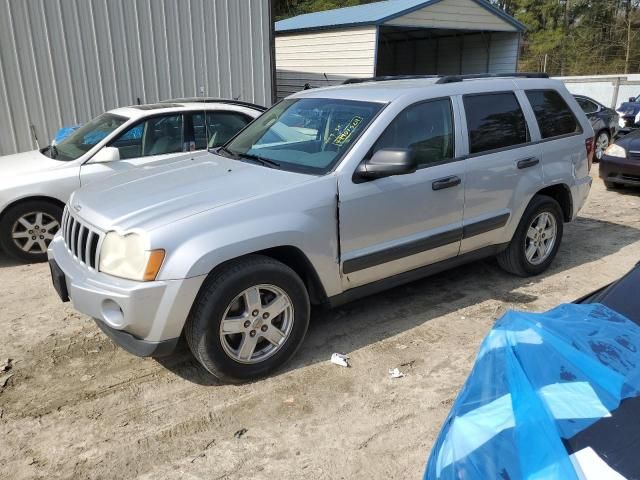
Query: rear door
396,224
150,140
503,166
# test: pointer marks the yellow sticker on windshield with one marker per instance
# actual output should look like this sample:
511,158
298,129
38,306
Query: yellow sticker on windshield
348,130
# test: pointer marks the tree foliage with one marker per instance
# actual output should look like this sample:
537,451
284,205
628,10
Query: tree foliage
563,37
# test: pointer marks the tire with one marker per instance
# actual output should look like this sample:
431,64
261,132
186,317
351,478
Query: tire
613,185
220,298
602,140
46,216
514,258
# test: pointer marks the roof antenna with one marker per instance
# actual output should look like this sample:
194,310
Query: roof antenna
327,79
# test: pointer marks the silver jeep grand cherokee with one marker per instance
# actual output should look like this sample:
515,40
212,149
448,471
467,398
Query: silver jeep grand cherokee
332,194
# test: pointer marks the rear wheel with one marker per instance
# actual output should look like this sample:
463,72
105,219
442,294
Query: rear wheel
536,240
602,143
27,229
249,319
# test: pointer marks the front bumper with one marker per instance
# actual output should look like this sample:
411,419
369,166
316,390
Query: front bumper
144,318
620,170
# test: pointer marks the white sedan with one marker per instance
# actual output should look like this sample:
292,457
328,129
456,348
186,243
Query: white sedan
35,185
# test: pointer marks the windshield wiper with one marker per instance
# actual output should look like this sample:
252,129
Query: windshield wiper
256,158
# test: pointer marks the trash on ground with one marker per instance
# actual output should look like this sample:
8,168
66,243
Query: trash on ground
395,373
4,379
340,359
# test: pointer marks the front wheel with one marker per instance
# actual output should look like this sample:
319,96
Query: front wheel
249,318
536,240
27,229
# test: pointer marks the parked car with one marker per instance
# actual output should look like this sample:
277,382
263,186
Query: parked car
402,179
620,164
629,115
604,121
35,185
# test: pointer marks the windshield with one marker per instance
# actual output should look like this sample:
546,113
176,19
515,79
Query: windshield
308,134
86,137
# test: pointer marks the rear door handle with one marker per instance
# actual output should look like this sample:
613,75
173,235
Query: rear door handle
528,162
446,182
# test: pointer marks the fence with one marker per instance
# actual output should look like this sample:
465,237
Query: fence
610,90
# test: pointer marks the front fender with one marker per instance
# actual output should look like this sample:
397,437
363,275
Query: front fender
304,218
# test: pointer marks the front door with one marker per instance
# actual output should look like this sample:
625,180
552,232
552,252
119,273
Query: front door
396,224
151,140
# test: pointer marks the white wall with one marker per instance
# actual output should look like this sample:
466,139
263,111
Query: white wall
306,57
454,14
603,87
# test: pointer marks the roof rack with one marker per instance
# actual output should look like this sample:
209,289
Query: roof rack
387,78
460,78
215,100
447,78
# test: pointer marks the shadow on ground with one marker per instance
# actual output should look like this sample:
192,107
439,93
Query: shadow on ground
384,315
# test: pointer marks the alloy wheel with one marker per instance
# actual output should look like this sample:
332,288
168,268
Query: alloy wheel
541,238
33,232
256,324
602,142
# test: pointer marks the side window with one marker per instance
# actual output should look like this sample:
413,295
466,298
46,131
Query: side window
425,128
155,136
554,116
494,120
219,127
587,106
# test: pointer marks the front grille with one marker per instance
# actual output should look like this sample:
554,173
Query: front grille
81,239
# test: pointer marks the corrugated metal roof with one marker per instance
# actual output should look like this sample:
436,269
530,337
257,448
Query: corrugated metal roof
371,14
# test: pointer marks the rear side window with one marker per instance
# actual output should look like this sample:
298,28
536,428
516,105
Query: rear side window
426,129
494,120
554,116
587,105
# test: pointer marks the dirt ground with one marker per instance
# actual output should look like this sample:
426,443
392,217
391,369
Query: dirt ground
78,407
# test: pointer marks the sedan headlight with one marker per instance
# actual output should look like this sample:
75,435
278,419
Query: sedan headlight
615,151
128,256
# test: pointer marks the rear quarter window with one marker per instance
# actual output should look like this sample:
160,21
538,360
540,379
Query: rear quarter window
494,121
555,118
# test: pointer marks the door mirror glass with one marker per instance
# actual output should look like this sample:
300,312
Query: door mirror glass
387,162
106,155
632,99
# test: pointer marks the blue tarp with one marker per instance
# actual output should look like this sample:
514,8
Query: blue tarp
538,381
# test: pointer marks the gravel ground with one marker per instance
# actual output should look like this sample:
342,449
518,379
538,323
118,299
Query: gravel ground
78,407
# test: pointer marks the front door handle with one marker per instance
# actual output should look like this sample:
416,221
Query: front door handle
446,182
528,162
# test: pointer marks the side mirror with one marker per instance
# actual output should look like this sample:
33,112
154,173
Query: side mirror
632,99
387,162
106,155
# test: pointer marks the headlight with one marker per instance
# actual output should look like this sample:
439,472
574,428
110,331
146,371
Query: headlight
128,256
615,151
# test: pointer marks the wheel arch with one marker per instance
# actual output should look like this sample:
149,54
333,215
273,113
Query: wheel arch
561,193
295,259
39,198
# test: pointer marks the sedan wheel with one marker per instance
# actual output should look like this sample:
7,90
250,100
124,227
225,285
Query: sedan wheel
602,143
33,231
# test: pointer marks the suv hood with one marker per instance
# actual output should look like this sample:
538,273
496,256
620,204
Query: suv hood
149,197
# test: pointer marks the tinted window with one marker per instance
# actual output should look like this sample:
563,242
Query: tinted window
155,136
554,116
494,120
587,106
219,128
426,128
